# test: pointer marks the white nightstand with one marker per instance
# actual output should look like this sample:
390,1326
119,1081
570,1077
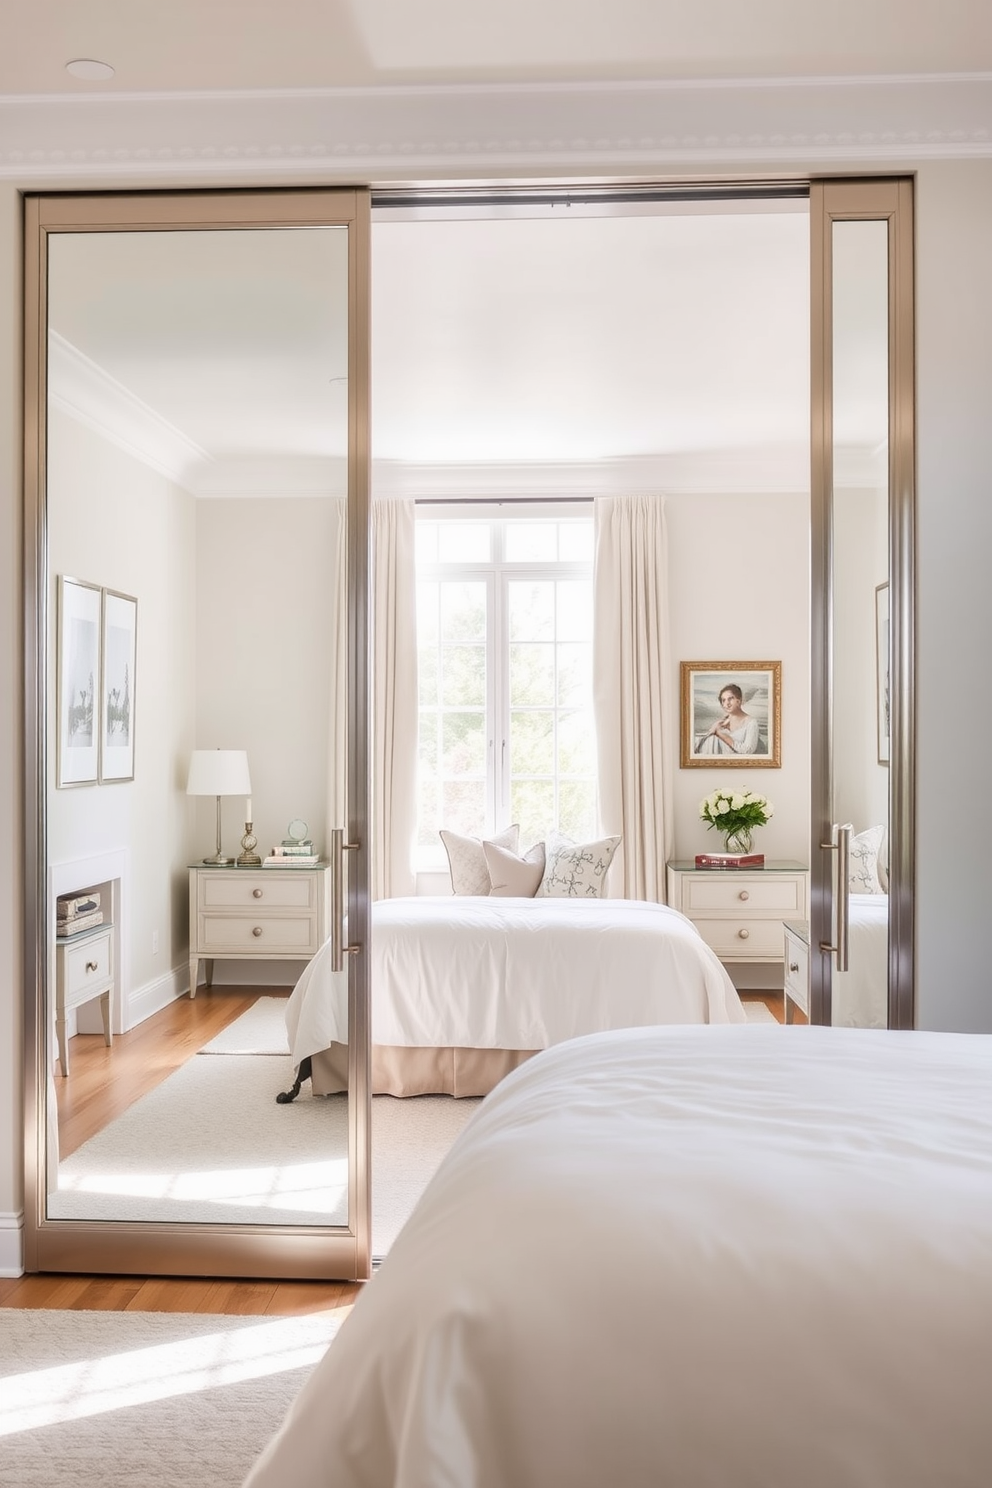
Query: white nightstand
256,914
84,969
741,912
796,990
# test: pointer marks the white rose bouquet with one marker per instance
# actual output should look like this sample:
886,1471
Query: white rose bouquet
736,814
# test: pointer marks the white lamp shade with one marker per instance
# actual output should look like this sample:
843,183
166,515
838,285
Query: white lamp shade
218,772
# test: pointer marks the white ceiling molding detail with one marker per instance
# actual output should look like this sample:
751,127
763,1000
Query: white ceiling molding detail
399,133
79,387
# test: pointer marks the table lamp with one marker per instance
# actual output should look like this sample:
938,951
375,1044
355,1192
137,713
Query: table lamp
219,772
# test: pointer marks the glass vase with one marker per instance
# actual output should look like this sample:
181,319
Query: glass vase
738,840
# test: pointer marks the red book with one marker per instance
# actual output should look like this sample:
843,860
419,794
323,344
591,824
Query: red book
730,860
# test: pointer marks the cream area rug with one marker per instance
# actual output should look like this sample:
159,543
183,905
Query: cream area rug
756,1012
146,1400
261,1030
210,1144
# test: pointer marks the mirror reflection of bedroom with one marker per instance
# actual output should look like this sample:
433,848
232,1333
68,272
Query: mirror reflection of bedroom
590,435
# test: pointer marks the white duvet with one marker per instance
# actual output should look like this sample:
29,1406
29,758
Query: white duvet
489,973
860,997
683,1258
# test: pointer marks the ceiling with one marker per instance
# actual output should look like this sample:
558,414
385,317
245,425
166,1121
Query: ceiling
543,353
257,44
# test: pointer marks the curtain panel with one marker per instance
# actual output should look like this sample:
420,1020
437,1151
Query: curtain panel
633,695
394,698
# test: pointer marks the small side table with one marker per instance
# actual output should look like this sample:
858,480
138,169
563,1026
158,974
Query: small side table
796,982
84,969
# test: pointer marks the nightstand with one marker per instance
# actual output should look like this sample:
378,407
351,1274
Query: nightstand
256,914
796,988
741,912
84,969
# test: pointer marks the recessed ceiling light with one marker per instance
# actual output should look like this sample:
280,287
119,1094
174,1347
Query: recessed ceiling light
91,71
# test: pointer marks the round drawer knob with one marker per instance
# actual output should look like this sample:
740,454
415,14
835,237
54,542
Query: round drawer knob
257,931
256,893
743,934
793,965
744,894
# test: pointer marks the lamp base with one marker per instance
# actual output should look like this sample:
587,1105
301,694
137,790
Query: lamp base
218,861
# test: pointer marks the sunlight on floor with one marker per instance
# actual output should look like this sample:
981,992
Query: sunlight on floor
318,1187
90,1387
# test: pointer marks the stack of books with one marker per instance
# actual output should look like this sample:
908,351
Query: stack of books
76,913
730,860
292,855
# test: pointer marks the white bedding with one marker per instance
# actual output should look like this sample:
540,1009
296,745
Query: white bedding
860,996
698,1257
490,973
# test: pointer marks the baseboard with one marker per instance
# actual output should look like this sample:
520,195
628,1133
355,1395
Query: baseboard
142,1002
11,1245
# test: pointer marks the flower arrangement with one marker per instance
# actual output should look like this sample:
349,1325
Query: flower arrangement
736,814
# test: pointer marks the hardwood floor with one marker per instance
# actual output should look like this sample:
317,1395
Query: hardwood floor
88,1099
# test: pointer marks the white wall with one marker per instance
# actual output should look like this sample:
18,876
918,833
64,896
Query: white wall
264,601
739,584
954,392
117,523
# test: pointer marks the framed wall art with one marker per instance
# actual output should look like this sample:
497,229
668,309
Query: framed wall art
731,714
119,653
77,683
882,670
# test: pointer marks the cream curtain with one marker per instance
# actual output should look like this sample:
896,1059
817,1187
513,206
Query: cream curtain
394,698
633,698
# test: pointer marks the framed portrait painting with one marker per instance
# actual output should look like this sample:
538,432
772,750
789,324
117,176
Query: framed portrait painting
882,670
119,653
731,714
77,683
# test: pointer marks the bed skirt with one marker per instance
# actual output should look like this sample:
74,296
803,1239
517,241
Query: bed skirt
402,1071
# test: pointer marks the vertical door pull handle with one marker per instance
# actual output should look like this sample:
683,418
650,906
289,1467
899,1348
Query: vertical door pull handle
840,843
338,948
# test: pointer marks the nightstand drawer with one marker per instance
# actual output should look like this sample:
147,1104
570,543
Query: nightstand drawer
743,939
85,966
267,889
710,893
257,935
796,971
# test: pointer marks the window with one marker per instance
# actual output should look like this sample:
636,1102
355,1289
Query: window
504,637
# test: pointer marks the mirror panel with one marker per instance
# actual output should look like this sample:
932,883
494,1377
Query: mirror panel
860,642
199,494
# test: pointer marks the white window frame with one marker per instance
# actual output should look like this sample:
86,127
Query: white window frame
497,574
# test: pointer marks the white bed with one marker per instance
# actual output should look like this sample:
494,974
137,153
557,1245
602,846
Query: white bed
693,1256
860,994
475,974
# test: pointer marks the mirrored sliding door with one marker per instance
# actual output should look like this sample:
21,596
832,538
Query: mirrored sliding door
197,538
861,962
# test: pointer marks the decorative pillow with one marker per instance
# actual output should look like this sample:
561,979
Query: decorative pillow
862,875
513,877
467,861
577,870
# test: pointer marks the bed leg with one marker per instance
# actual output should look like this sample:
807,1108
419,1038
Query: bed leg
303,1073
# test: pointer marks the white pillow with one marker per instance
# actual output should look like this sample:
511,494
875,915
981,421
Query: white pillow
513,877
862,877
577,870
467,861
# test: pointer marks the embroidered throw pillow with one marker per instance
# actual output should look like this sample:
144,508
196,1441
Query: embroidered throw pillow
467,861
862,876
514,877
577,870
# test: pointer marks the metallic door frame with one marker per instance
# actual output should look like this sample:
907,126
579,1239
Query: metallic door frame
890,199
340,1252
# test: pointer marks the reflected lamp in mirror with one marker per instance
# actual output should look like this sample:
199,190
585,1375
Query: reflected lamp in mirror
219,772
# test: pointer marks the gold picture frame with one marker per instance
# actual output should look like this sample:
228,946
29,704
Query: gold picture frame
731,715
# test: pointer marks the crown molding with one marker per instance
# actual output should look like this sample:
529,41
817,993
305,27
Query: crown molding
385,134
